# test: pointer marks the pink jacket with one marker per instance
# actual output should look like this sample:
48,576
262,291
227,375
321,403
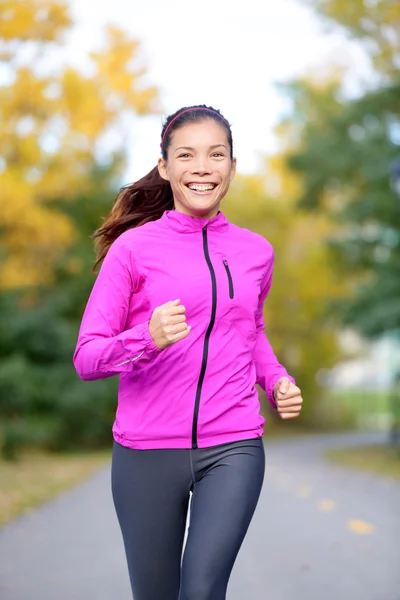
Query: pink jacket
200,391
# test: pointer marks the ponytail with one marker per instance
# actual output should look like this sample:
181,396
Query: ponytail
136,204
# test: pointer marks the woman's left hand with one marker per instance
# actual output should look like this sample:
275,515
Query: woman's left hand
288,398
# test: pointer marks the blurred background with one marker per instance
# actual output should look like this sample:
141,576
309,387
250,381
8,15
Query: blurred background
312,89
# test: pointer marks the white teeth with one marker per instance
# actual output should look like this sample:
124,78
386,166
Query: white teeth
201,187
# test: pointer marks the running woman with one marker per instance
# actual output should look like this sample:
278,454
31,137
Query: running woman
176,312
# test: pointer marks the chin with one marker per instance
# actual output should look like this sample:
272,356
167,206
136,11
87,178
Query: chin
203,206
198,207
201,211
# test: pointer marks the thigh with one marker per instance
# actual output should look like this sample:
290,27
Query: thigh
150,491
223,503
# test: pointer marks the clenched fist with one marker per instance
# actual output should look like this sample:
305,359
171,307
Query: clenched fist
288,398
168,324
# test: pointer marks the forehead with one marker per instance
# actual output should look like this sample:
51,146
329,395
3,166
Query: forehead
199,133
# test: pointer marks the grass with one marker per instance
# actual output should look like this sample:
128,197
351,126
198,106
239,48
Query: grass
380,460
37,477
364,401
359,408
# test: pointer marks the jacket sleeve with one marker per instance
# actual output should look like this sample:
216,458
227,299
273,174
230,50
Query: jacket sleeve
268,369
104,348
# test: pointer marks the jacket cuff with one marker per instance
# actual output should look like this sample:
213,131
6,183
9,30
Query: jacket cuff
144,332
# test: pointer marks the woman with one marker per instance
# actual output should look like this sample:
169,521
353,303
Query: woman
177,312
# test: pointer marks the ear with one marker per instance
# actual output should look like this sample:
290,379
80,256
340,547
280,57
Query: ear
233,169
162,169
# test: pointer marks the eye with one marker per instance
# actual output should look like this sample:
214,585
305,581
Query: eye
218,154
184,155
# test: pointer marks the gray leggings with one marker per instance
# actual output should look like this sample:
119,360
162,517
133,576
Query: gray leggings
151,495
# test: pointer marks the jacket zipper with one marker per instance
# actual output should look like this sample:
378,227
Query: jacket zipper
230,280
206,339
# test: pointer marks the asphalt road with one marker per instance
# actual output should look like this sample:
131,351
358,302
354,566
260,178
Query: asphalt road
320,532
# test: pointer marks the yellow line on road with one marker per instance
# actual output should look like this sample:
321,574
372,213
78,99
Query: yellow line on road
360,527
303,491
326,505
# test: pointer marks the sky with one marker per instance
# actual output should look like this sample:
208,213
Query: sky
222,53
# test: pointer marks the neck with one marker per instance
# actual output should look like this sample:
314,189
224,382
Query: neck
210,215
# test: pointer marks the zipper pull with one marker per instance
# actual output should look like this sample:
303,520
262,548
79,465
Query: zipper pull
230,280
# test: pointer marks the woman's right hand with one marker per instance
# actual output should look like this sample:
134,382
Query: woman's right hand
168,324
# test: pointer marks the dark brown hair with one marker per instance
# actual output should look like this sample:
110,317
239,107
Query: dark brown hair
146,200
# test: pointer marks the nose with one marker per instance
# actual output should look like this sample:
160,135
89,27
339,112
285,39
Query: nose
201,167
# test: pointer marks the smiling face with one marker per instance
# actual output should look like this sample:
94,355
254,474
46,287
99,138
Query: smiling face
199,167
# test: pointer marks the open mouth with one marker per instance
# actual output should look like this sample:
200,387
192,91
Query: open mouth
201,188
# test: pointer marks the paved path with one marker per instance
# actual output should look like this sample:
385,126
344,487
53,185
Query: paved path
320,533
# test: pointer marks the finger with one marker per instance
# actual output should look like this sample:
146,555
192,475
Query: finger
167,314
171,330
289,415
171,303
282,409
292,389
297,401
292,392
283,385
175,320
180,336
176,310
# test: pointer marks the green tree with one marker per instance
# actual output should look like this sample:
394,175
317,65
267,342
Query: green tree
345,161
375,24
344,149
305,278
56,184
44,403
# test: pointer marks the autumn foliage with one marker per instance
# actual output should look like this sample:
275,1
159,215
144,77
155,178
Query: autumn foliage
59,174
53,121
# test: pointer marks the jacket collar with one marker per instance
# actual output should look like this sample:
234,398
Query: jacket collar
187,224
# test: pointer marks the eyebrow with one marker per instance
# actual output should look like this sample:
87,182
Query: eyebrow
192,149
